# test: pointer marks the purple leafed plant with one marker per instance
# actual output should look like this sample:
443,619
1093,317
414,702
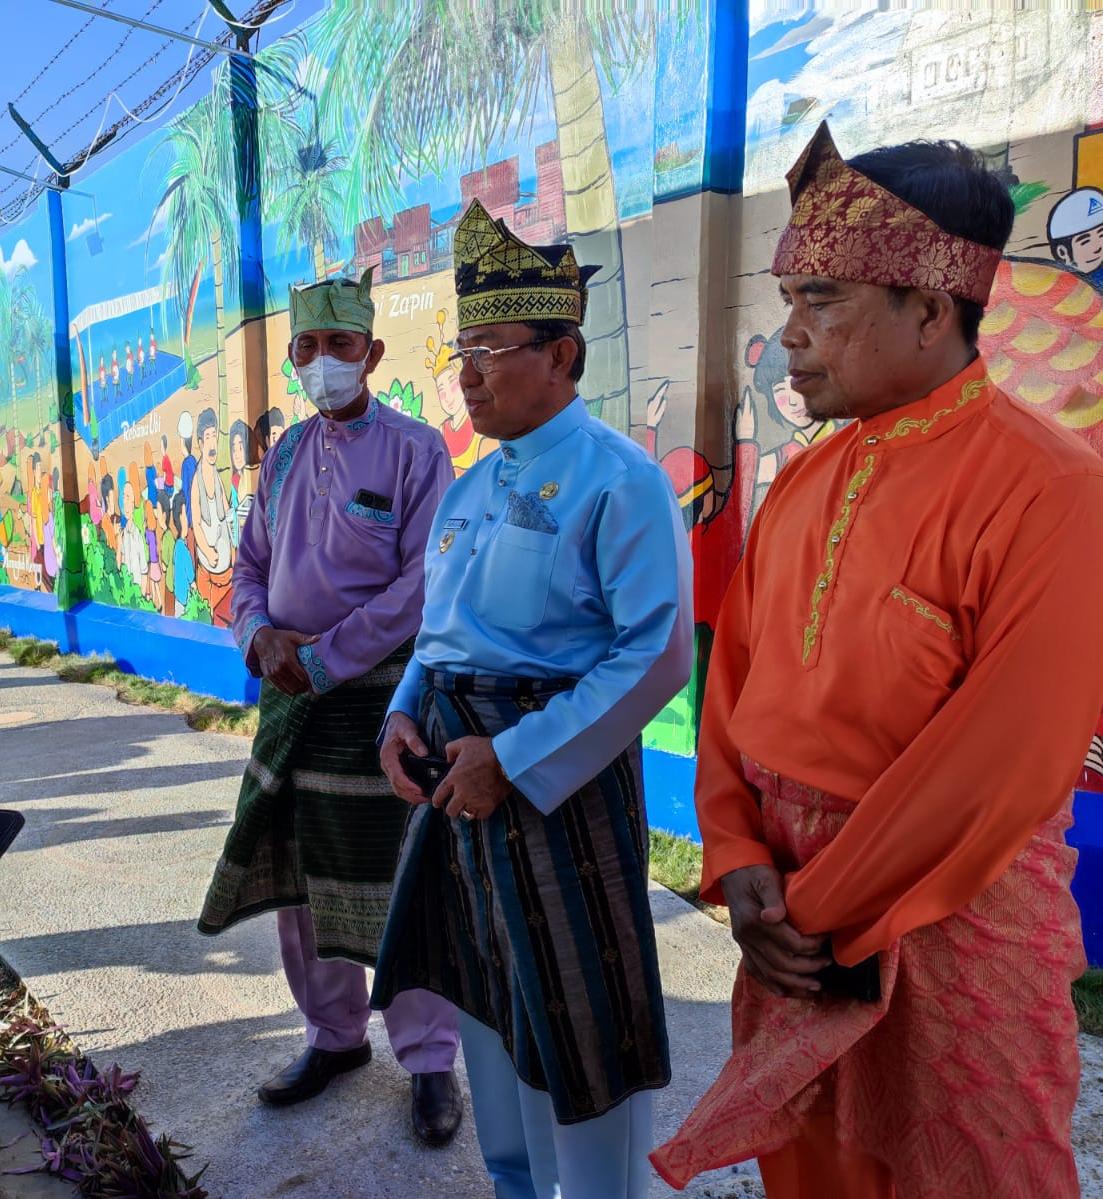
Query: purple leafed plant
90,1134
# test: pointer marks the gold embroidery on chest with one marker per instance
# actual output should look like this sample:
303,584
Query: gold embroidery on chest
924,424
834,539
910,601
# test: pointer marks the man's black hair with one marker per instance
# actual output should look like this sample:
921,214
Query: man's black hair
952,184
552,330
179,507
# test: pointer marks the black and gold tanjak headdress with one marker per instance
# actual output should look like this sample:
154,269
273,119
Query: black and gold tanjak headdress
500,280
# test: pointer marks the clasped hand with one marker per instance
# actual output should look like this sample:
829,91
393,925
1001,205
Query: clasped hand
776,955
475,783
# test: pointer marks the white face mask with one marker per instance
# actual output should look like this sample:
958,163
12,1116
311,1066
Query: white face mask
331,384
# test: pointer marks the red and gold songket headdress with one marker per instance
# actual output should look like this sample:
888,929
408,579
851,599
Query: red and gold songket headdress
844,226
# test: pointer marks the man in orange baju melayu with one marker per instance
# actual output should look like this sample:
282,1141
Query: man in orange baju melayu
905,677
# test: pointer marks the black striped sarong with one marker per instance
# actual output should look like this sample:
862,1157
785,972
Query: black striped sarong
537,926
317,822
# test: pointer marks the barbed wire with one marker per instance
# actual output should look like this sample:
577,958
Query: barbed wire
100,66
59,53
263,9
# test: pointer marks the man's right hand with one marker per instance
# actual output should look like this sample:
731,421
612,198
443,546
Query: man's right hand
278,658
779,957
402,733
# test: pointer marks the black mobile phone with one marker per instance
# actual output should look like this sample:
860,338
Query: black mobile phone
426,772
10,824
862,982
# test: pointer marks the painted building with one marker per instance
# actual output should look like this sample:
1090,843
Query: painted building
654,137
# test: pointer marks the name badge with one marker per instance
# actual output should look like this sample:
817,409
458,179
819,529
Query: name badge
456,523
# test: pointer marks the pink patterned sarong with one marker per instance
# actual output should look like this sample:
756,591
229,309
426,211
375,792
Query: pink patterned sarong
962,1079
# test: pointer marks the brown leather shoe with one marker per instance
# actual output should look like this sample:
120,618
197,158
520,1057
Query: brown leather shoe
437,1107
310,1074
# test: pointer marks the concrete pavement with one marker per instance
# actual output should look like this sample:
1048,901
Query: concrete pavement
126,812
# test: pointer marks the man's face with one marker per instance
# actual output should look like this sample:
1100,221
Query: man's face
277,430
1085,252
208,447
499,402
851,350
337,343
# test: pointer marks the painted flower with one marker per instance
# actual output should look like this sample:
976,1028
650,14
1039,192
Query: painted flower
402,398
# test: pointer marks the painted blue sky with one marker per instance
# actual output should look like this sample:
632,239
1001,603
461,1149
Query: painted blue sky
126,182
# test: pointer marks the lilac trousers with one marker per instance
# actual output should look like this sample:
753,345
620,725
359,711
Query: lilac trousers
333,996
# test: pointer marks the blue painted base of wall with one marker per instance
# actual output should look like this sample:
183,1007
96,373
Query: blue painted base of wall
668,783
1087,835
196,656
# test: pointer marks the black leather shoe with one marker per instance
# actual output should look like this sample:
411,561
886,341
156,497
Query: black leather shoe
310,1074
437,1107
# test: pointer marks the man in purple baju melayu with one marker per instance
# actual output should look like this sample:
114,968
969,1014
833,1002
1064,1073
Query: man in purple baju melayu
327,598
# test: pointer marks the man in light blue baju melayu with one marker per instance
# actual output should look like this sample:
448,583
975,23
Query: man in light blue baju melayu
557,621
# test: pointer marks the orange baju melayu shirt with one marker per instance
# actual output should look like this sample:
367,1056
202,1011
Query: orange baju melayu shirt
905,676
913,628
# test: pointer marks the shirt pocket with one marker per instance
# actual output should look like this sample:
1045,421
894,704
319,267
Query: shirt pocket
369,531
515,577
924,637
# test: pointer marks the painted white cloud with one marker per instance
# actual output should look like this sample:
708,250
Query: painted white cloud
86,226
162,258
22,258
158,225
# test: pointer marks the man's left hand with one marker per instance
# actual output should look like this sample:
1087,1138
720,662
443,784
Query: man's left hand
475,785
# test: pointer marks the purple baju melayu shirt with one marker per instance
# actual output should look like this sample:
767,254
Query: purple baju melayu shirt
335,541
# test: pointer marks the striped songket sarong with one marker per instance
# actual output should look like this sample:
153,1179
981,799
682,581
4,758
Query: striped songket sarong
317,822
537,926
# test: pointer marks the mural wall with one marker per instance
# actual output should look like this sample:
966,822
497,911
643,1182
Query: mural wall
30,464
368,139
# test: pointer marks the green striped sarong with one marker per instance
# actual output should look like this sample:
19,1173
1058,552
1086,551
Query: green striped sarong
317,822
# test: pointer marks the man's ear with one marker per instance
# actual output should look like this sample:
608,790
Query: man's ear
375,355
938,317
564,352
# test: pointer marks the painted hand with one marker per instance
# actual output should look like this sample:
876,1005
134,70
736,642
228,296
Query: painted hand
278,659
402,733
656,406
745,423
475,785
779,957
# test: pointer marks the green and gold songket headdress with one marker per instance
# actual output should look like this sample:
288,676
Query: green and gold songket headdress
501,280
335,304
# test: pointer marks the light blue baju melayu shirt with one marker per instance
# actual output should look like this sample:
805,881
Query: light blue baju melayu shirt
562,554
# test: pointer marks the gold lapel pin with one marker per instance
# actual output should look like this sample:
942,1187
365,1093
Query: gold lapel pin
549,491
446,542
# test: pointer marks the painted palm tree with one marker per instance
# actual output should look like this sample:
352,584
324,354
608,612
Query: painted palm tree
202,226
8,320
419,90
17,300
38,344
306,204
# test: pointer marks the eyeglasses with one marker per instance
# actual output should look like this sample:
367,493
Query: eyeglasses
484,359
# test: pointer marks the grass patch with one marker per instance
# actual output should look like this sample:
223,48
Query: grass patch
676,864
1087,994
202,712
